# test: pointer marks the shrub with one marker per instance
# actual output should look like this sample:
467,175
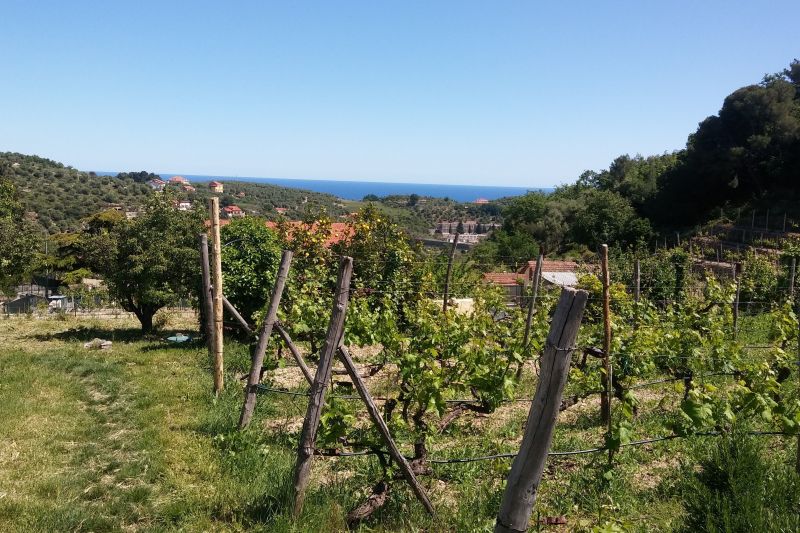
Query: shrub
737,489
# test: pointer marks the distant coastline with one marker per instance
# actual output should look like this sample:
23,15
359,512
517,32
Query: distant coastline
356,190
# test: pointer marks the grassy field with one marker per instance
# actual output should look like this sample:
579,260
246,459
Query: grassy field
131,439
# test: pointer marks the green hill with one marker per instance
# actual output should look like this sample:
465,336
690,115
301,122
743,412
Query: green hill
59,197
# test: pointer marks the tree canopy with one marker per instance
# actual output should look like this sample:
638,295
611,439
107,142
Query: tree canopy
148,262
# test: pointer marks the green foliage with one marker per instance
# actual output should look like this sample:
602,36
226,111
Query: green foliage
738,489
250,257
148,262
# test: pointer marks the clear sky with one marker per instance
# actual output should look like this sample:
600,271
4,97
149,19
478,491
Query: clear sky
474,92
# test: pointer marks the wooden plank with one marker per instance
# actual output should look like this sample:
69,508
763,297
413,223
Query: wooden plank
208,295
526,470
605,399
295,352
383,429
308,436
235,314
537,276
446,294
216,282
263,339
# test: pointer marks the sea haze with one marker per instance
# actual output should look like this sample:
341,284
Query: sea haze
356,190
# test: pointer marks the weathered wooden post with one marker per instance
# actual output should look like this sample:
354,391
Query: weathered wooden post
308,436
446,295
637,281
526,470
605,399
537,276
295,353
791,278
383,429
263,340
208,295
236,315
216,281
737,281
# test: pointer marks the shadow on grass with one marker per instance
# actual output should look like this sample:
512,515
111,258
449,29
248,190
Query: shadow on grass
116,334
87,333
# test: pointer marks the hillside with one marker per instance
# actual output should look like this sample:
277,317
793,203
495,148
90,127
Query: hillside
59,196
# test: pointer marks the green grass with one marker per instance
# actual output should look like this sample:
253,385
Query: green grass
132,439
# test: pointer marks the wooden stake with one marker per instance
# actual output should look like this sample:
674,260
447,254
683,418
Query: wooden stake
216,281
736,302
235,314
791,278
605,399
446,295
308,437
263,339
295,352
637,281
537,276
377,419
526,470
208,295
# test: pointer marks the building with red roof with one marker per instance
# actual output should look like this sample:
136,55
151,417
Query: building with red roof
216,186
178,180
232,211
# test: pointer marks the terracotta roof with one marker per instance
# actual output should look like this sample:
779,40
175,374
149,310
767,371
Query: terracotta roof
504,278
214,183
178,179
232,209
339,230
550,266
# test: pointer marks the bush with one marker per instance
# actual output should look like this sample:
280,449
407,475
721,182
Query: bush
737,489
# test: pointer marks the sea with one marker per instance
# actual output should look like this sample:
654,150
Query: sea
357,190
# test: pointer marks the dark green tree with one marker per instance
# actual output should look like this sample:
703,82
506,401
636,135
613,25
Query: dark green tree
149,262
250,256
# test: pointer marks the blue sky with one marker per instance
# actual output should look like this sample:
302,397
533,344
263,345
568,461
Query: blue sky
475,92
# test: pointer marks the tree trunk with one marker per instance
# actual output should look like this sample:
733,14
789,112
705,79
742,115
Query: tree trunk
146,319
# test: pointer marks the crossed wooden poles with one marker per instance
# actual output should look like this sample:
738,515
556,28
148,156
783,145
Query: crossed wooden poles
526,470
319,381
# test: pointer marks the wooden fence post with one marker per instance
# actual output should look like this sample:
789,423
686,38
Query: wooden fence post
737,281
537,275
208,294
446,295
526,470
377,419
238,317
295,353
263,340
605,399
308,437
216,281
637,281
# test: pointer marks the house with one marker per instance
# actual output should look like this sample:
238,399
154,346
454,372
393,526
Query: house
188,188
178,180
281,210
216,187
27,303
481,201
512,282
559,273
183,205
156,184
232,211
